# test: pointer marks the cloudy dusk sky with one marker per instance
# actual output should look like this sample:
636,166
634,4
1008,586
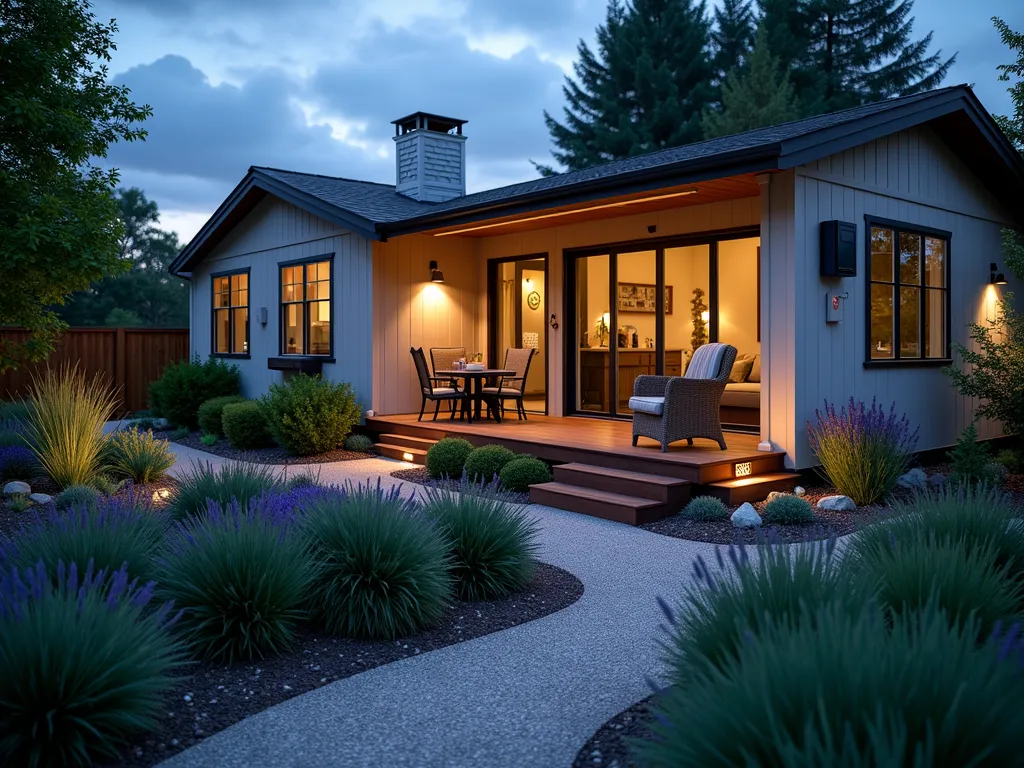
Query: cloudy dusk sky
312,85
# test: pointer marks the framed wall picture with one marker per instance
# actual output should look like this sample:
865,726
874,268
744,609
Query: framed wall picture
641,297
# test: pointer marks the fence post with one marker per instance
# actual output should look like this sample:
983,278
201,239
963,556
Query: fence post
120,373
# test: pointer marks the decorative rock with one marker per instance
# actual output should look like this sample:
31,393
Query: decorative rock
746,516
40,498
915,480
800,491
938,480
16,487
776,494
161,423
837,504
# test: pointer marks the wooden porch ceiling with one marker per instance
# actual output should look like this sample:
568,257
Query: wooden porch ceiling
712,191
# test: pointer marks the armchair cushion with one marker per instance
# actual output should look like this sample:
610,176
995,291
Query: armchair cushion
652,405
707,361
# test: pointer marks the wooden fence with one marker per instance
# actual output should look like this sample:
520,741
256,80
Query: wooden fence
127,358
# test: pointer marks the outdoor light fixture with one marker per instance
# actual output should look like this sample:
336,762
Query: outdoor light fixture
995,278
436,275
407,456
743,469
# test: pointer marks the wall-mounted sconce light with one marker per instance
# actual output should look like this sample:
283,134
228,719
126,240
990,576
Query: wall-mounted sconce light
263,315
436,275
995,278
528,283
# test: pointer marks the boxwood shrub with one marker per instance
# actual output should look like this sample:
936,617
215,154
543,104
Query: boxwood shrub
187,384
309,414
211,412
245,426
447,457
486,462
524,471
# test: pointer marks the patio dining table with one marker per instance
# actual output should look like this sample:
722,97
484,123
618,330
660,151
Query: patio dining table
475,382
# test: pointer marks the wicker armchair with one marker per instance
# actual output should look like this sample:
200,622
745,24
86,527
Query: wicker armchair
443,359
670,408
511,387
437,389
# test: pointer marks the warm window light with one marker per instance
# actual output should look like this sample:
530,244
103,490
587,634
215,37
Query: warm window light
743,469
527,283
705,316
995,278
436,275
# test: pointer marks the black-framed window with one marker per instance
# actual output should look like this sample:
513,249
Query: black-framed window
306,307
231,313
908,292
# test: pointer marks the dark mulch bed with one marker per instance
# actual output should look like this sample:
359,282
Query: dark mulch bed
419,476
275,455
608,747
214,697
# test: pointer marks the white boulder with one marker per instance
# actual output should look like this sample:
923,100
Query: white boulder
746,516
40,498
914,480
17,487
800,491
837,504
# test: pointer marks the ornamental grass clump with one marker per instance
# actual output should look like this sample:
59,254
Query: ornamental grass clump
65,425
492,541
81,496
85,662
138,456
486,462
705,508
113,534
863,451
447,458
787,510
833,688
241,575
239,481
722,609
383,569
358,443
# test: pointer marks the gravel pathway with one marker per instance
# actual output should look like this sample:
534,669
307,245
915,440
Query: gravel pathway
530,695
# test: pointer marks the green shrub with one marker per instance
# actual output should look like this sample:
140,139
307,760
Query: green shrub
447,457
208,439
211,413
839,689
11,434
65,428
309,414
975,516
492,541
706,508
138,456
109,533
787,509
77,496
485,463
358,443
180,433
519,474
245,426
1011,461
84,666
15,410
238,481
972,460
242,577
305,478
19,503
107,485
186,385
721,609
863,451
383,570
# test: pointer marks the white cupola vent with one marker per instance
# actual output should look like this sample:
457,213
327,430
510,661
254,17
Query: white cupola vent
430,157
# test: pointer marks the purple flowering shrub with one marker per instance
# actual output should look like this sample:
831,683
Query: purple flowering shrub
863,451
84,663
241,574
17,462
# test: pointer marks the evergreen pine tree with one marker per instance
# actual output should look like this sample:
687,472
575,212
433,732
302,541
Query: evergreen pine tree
643,90
732,36
1012,125
842,53
755,97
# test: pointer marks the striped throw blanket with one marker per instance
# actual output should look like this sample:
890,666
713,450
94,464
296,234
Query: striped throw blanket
706,362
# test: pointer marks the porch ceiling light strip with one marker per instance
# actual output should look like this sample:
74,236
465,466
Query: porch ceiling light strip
621,204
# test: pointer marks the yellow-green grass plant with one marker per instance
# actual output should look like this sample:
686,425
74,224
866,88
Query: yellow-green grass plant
67,412
139,456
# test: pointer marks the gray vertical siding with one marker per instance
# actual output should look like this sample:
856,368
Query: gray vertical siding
910,177
276,232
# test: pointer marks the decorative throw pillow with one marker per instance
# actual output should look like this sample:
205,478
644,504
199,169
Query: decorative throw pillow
741,369
755,371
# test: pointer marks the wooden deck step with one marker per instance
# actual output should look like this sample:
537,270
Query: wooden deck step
407,441
402,453
667,490
752,488
631,510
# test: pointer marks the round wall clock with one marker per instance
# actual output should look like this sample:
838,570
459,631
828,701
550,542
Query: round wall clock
533,299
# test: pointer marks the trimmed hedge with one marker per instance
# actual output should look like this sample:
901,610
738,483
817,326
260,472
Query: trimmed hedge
486,462
447,457
245,426
520,473
212,410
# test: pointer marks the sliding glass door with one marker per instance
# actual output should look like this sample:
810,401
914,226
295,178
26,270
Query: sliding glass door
518,306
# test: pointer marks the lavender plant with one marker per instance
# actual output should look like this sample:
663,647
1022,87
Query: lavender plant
863,451
84,664
17,462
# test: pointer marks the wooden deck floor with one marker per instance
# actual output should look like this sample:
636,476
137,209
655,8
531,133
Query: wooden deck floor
602,442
